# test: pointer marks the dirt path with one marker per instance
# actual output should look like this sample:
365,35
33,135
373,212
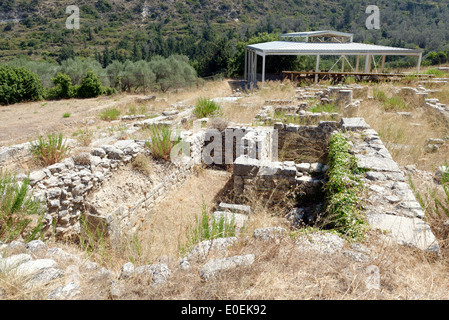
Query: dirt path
25,121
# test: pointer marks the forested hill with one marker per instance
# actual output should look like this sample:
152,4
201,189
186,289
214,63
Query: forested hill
206,31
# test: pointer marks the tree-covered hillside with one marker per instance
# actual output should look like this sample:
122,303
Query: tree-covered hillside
208,32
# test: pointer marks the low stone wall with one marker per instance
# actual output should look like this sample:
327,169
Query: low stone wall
390,204
275,182
64,187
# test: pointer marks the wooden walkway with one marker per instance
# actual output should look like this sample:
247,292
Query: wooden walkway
358,76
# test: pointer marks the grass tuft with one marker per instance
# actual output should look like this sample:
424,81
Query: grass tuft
161,142
206,107
110,114
20,214
49,151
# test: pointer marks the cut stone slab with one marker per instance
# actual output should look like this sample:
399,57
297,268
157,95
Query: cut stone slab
236,208
353,124
377,164
406,231
244,166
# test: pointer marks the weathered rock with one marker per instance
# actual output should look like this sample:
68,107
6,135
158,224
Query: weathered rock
204,248
66,292
37,247
406,231
269,234
327,243
36,176
356,256
12,262
159,272
212,267
33,266
43,277
126,271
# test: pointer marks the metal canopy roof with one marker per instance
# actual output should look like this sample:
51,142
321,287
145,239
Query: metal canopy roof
318,33
311,48
320,43
317,36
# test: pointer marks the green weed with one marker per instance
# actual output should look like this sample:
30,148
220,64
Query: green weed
109,114
161,142
49,151
18,210
205,108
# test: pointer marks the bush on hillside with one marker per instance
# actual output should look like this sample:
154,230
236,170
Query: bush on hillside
62,87
19,84
90,86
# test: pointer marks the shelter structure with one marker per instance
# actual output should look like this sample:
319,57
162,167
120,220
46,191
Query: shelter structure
322,43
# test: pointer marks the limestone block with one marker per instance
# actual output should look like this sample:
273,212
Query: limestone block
236,208
353,124
406,231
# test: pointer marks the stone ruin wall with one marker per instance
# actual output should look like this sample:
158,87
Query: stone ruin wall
64,187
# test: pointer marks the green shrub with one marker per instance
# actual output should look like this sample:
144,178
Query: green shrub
66,115
389,104
205,108
161,142
63,86
90,86
20,214
109,114
49,151
19,84
108,91
84,136
435,72
77,69
342,190
379,95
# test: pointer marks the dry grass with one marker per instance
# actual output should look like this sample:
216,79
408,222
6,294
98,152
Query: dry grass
405,137
248,106
177,213
283,271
